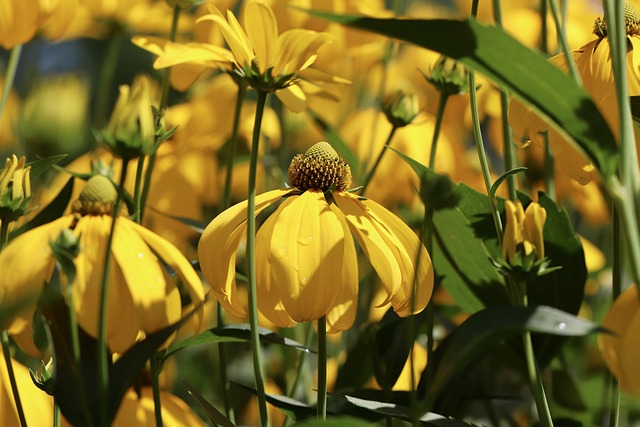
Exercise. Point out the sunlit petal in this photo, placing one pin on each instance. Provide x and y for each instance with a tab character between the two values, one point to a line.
262	30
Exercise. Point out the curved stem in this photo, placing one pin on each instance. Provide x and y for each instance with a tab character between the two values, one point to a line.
322	368
103	351
9	77
251	261
12	378
378	159
155	385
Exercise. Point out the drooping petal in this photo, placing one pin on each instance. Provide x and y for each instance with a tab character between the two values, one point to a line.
409	241
296	50
124	321
269	302
306	255
293	97
262	30
343	313
29	259
218	246
178	263
372	243
535	217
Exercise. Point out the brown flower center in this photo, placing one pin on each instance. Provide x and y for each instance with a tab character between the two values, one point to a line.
319	167
631	22
97	197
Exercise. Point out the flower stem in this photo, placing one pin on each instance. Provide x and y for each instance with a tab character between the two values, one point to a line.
9	76
549	169
4	238
562	38
616	289
103	351
251	260
12	378
322	368
137	196
106	77
507	135
226	195
225	386
442	103
56	414
378	159
156	367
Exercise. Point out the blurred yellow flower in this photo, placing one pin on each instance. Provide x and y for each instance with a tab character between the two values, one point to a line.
305	256
142	296
137	409
15	189
621	348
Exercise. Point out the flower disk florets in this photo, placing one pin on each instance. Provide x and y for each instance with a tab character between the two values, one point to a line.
631	22
98	197
321	168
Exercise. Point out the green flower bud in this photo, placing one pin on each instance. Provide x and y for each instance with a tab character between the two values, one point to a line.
448	77
401	108
15	189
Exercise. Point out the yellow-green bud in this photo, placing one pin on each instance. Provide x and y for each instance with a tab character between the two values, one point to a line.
448	77
401	108
98	197
15	189
131	129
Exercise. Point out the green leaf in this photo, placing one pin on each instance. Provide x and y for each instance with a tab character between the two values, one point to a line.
234	333
485	329
334	422
510	64
214	415
38	167
194	224
336	141
391	348
52	211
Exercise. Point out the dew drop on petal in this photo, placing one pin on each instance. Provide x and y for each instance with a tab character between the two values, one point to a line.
297	267
281	252
305	240
140	255
561	326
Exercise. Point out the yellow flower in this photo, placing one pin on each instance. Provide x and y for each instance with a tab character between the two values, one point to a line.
264	59
15	189
523	232
593	62
137	409
305	256
142	297
37	405
620	349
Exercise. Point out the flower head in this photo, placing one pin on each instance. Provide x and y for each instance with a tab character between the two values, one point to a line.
142	296
523	232
401	108
15	189
305	254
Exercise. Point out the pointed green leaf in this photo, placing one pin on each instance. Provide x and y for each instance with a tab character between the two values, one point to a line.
334	422
214	415
38	167
501	178
511	65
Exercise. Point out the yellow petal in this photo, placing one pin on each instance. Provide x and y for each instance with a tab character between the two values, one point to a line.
510	238
293	97
307	255
297	49
218	246
262	30
372	243
29	259
269	302
343	313
534	220
234	36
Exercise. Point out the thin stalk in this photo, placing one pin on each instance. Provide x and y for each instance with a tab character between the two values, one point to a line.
137	192
12	378
322	368
544	34
9	76
442	103
507	135
549	169
616	289
226	195
166	74
537	388
56	414
251	261
106	77
484	164
155	385
225	385
291	392
4	238
562	38
103	351
378	159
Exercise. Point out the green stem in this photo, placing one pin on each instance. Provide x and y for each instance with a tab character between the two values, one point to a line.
549	169
222	371
442	103
137	196
484	164
544	39
616	288
106	77
378	159
103	350
155	385
537	388
56	414
293	388
226	195
251	261
322	368
147	185
562	38
4	234
12	378
507	134
9	76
